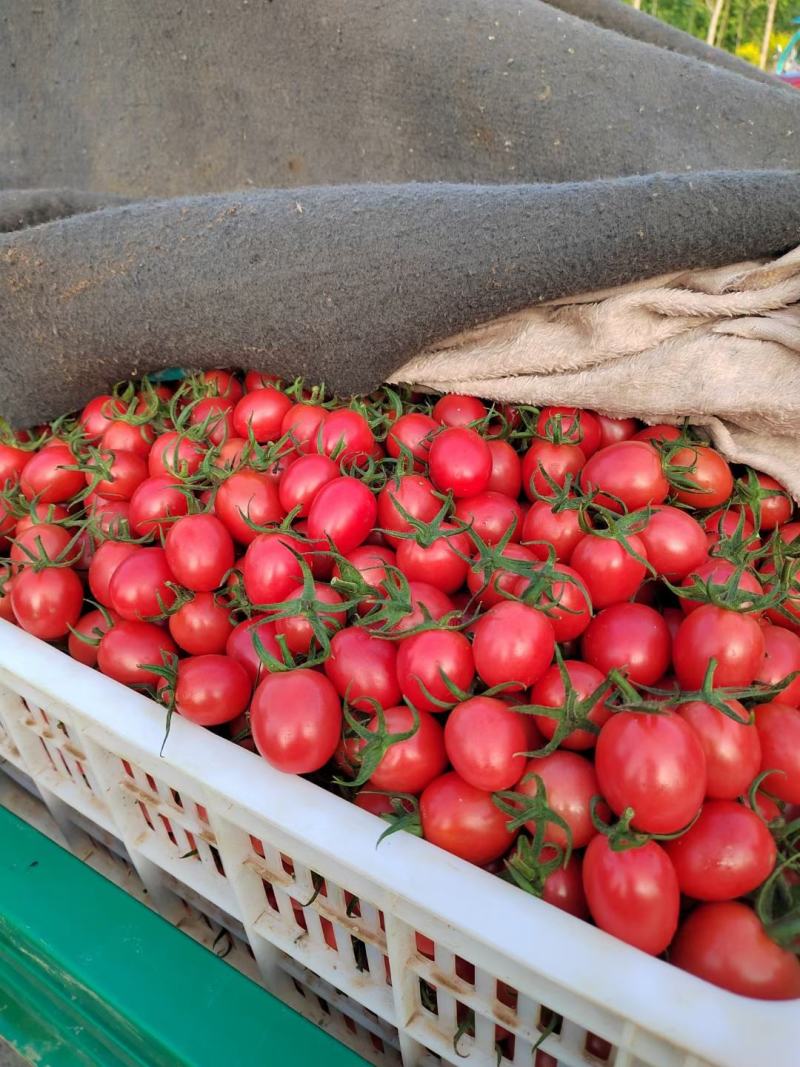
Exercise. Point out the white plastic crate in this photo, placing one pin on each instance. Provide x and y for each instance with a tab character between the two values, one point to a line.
211	825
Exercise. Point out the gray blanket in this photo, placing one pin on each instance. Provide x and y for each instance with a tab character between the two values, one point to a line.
326	187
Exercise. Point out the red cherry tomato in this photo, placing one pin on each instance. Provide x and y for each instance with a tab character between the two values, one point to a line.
412	494
675	542
506	476
629	637
722	575
47	602
654	764
778	728
92	626
201	626
48	477
199	552
241	647
439	562
565	600
346	436
211	689
261	412
513	646
139	586
296	719
304	422
433	666
609	569
546	464
105	561
464	820
343	512
408	766
572	425
781	658
486	743
301	482
612	431
550	692
155	502
543	529
456	410
129	647
570	783
122	436
297	631
174	455
363	669
42	541
732	749
709	472
489	585
272	568
735	641
627	474
460	462
412	432
245	501
491	515
726	944
634	894
98	415
727	853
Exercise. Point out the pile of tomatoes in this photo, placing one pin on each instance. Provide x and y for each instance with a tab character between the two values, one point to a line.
561	646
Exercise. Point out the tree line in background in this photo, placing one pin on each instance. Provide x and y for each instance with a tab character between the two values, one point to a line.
756	30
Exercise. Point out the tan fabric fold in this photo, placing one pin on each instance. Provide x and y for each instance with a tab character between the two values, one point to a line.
720	348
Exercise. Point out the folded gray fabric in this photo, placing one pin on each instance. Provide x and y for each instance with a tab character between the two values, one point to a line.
541	155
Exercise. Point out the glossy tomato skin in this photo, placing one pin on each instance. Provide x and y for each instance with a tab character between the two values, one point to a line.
546	462
98	414
630	636
105	561
778	728
304	422
271	567
301	482
720	574
506	476
489	590
47	602
245	499
239	644
296	719
173	454
724	523
486	743
409	766
211	689
138	588
456	410
654	764
415	495
12	462
126	471
565	602
613	431
438	563
460	462
711	475
658	432
627	473
297	631
413	432
513	646
543	529
675	542
423	658
128	437
574	425
726	944
781	658
199	551
45	540
563	888
464	820
733	639
732	749
201	626
490	515
570	783
215	416
128	646
727	853
775	510
634	894
154	503
422	594
549	692
47	476
344	511
92	625
347	434
261	412
610	572
363	669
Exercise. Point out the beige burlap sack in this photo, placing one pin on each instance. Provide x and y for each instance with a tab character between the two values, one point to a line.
719	347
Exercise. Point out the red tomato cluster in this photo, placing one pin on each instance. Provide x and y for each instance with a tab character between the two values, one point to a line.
560	646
